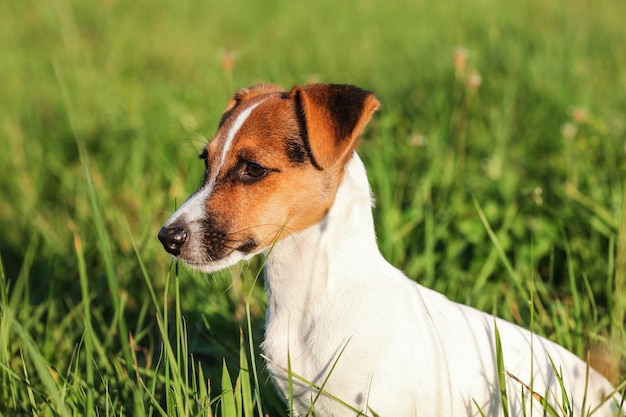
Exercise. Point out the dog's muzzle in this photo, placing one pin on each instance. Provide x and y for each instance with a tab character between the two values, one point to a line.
173	238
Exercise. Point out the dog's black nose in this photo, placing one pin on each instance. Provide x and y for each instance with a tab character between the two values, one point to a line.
173	238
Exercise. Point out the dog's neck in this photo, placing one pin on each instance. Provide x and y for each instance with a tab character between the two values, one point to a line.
306	268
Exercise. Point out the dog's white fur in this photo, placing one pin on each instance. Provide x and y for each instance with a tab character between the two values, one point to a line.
347	320
409	351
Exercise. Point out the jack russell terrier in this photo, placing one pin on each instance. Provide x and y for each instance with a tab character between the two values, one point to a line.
347	332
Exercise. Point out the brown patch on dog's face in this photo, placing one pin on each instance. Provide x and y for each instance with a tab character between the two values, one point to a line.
273	168
288	193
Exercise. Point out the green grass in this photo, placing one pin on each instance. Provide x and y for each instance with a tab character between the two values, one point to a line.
495	194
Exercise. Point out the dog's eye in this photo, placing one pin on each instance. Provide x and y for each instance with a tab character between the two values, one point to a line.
254	171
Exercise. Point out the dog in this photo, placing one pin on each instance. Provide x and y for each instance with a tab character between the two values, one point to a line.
347	333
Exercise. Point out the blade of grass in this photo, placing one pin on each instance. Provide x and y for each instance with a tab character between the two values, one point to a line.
172	380
327	378
290	382
44	371
227	396
88	330
619	390
5	320
564	404
181	346
257	390
204	392
31	397
541	399
618	298
101	231
576	301
244	379
316	388
501	372
502	255
479	408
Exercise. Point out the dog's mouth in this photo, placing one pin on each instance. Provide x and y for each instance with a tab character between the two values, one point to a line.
204	246
210	265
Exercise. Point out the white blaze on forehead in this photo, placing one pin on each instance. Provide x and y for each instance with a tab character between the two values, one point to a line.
239	121
193	208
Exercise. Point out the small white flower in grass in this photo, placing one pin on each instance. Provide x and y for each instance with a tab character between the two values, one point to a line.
474	81
568	131
417	139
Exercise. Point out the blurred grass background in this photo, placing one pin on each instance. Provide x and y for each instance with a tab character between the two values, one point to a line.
496	116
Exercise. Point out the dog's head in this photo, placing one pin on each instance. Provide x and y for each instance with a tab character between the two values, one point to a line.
272	168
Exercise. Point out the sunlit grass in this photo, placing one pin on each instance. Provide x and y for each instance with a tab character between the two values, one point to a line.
497	161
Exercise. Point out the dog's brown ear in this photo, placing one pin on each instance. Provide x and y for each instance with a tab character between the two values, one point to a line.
247	93
333	117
